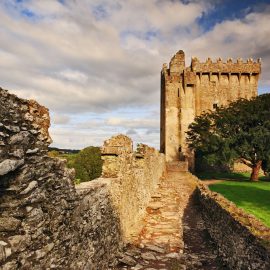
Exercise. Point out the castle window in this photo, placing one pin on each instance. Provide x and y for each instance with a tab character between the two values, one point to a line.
215	106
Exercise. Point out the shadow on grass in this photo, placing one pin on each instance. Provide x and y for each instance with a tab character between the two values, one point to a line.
228	176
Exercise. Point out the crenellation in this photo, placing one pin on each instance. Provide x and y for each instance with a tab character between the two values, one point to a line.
239	60
228	67
203	86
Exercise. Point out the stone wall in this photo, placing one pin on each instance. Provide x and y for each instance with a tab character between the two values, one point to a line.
47	223
242	240
44	222
133	177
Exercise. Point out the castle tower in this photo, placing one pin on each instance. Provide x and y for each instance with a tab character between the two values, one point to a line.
187	92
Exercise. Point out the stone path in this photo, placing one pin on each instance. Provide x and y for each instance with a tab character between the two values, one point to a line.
173	235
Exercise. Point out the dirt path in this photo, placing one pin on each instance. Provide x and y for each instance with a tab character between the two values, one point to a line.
173	235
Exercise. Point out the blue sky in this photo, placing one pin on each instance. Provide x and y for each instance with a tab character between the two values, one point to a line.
96	63
230	10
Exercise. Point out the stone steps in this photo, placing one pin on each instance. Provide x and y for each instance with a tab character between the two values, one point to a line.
177	166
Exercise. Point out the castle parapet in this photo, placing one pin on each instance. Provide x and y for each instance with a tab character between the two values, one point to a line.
117	145
250	66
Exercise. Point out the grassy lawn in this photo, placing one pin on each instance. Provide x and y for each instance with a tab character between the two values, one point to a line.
254	198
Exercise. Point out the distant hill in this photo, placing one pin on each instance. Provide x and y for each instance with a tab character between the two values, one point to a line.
64	151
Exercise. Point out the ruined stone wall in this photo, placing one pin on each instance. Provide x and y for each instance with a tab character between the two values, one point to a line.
187	92
133	178
44	222
242	240
47	223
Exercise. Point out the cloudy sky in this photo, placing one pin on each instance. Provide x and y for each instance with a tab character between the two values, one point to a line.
96	63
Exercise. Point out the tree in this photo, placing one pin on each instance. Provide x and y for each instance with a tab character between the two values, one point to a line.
239	131
88	164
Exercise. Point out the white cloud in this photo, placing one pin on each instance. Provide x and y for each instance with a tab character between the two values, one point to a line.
58	119
101	56
133	123
73	75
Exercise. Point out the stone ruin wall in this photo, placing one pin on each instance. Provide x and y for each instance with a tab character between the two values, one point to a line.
133	177
186	92
243	241
47	223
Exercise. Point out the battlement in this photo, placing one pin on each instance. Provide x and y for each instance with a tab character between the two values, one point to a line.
177	63
218	66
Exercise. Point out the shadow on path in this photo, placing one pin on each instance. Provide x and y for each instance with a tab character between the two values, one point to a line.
199	249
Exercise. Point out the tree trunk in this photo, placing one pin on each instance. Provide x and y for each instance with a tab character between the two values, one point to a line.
255	171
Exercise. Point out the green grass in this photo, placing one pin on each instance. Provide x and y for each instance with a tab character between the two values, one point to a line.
253	198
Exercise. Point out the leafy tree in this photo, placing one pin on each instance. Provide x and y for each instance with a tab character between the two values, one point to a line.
70	159
239	131
88	164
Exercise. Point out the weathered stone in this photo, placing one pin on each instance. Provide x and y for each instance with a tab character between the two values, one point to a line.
148	256
9	224
3	249
173	255
10	165
19	153
12	128
155	205
10	265
22	138
134	181
32	151
155	248
84	228
30	187
137	267
128	260
19	242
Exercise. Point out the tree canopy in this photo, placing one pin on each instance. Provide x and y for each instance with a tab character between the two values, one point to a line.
240	131
88	164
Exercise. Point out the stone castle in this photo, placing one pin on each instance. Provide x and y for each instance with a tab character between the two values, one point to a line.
143	212
186	92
